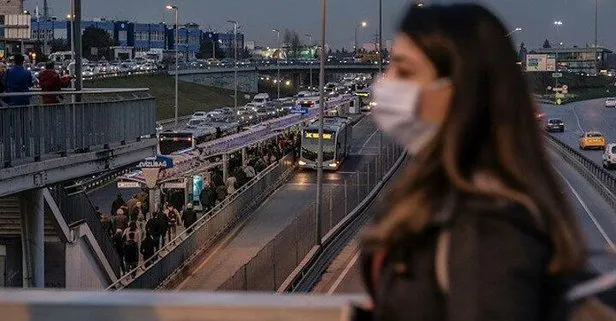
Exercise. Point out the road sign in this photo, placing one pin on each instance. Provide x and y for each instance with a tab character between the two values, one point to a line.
128	185
150	167
557	75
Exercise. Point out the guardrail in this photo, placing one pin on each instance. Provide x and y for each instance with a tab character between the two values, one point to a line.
22	305
275	266
188	245
31	131
602	180
77	207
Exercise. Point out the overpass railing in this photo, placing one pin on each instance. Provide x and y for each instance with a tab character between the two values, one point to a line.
20	305
77	207
103	117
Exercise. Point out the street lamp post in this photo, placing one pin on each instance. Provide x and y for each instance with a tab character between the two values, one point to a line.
235	59
380	56
319	201
513	31
558	23
363	24
278	60
596	35
177	58
310	64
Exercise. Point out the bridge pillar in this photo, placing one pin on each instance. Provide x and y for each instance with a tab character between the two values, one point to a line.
32	206
225	167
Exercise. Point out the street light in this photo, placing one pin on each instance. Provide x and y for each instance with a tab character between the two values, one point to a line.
310	64
235	59
363	24
177	58
319	201
513	31
596	35
557	24
278	58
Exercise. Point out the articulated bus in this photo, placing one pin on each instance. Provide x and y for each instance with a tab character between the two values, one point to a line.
177	141
337	138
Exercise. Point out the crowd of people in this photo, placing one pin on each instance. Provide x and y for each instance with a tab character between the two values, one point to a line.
17	79
138	233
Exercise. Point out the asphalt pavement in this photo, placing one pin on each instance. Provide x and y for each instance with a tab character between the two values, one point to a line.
290	200
583	116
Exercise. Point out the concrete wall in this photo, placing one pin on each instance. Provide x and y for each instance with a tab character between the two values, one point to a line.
82	269
246	81
55	276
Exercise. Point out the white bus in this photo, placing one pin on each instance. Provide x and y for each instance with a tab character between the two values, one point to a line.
337	139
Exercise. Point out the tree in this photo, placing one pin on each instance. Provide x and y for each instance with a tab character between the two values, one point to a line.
206	47
59	45
96	43
292	41
522	52
546	44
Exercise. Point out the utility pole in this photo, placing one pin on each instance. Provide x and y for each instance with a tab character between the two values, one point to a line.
319	205
380	56
596	35
235	60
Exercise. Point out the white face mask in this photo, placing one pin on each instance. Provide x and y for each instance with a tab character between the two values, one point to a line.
396	112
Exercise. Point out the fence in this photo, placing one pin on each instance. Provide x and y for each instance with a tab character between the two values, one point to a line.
78	207
32	131
189	244
602	180
275	262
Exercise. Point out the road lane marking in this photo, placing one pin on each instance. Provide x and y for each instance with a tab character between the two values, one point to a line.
578	120
367	140
343	274
588	212
361	120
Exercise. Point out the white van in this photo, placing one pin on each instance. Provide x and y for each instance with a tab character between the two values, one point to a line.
261	99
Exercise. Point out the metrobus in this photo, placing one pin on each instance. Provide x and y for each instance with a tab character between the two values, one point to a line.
170	142
337	138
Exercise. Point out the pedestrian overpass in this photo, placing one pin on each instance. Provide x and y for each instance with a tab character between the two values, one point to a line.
42	147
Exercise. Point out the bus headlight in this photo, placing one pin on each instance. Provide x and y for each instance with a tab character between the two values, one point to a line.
302	163
333	165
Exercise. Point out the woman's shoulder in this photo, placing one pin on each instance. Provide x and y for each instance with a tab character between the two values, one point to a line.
509	217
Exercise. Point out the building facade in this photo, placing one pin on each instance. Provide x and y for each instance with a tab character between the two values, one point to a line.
577	60
11	7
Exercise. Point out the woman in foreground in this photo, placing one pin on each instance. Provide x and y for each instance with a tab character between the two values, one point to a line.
478	224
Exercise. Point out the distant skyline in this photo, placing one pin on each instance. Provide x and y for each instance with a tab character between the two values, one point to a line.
259	17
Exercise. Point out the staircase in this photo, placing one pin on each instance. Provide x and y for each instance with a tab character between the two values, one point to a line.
10	218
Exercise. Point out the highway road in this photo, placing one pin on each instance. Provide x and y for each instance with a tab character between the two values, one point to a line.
596	218
295	196
579	117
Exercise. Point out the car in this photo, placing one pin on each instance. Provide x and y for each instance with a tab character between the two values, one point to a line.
199	115
592	140
610	102
555	125
609	156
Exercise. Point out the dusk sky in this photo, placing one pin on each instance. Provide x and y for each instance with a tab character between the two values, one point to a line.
258	17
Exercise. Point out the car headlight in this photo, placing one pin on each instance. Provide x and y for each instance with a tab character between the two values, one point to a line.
302	163
333	165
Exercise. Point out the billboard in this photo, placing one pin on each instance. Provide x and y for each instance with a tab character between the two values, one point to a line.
541	62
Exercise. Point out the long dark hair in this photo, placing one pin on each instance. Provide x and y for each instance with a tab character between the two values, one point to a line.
490	127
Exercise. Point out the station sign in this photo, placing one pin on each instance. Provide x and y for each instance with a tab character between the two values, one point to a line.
151	168
156	162
129	185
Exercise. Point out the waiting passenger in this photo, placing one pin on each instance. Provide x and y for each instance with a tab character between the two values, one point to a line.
479	196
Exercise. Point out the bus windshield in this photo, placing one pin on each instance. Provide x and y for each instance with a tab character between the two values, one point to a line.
310	145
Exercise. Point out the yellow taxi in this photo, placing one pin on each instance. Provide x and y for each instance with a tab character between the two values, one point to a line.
592	140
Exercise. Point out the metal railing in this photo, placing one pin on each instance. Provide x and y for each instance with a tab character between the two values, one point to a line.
602	180
77	207
29	132
269	269
21	305
171	259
